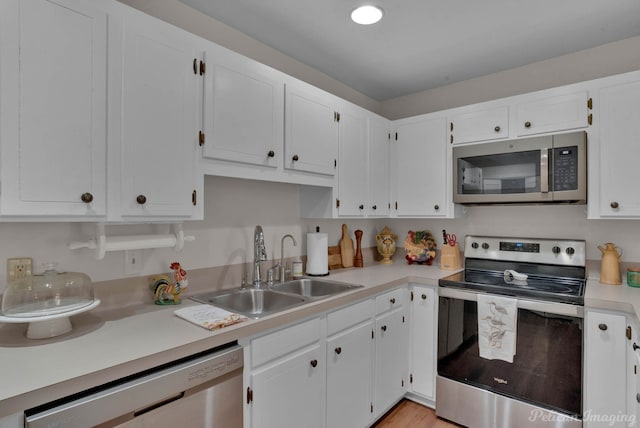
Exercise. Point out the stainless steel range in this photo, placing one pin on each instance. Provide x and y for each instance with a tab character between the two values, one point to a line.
510	334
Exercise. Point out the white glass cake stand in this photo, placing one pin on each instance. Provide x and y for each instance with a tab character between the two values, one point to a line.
51	325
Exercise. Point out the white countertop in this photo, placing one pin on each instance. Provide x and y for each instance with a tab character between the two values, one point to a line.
109	343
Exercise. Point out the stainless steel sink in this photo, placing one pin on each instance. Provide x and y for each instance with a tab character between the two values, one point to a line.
313	288
253	303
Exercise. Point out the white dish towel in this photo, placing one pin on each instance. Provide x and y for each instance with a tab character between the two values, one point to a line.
497	327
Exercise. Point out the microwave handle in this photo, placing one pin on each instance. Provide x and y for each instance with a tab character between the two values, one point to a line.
544	170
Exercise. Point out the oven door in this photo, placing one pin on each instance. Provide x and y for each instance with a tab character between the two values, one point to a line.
547	368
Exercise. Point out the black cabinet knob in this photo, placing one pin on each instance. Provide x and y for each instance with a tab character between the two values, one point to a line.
375	207
436	207
338	350
424	297
497	129
361	206
614	205
86	197
383	328
602	327
527	124
271	153
141	199
393	301
295	158
314	363
635	346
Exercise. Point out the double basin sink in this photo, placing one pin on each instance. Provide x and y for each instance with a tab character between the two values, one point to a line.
260	302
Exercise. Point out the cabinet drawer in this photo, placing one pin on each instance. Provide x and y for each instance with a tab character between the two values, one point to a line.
285	341
349	316
389	301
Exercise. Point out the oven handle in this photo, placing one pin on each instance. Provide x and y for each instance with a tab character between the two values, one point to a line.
532	305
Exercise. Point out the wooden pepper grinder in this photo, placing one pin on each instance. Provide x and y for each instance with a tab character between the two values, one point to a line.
357	262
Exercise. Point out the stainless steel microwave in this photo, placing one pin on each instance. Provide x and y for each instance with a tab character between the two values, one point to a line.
550	168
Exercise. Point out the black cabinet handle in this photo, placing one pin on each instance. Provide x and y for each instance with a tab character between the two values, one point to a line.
375	207
424	297
271	153
314	363
497	129
635	346
295	158
393	301
436	207
383	328
527	124
602	327
338	350
614	205
141	199
361	206
86	197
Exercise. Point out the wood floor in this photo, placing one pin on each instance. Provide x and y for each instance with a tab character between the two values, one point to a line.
408	414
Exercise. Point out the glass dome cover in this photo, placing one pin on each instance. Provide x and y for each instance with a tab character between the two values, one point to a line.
48	293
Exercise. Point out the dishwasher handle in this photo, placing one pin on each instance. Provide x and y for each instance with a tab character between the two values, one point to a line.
138	395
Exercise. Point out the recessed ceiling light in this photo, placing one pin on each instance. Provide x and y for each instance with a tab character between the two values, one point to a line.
366	15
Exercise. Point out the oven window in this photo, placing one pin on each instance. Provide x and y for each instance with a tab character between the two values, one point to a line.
506	173
547	367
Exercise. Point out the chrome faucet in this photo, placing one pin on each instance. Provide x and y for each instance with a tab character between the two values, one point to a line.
279	267
282	268
259	255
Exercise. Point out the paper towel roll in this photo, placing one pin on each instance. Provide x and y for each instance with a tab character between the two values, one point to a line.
317	254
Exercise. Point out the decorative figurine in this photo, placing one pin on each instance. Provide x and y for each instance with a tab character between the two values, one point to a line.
420	247
165	292
386	243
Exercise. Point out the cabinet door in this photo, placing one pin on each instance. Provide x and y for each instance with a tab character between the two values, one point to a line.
420	168
290	392
53	80
160	119
605	370
349	378
379	168
311	135
244	110
558	113
619	111
391	361
423	341
480	125
352	163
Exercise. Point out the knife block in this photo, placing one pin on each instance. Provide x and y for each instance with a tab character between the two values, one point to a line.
450	257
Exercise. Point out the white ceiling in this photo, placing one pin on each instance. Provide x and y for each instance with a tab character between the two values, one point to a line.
422	44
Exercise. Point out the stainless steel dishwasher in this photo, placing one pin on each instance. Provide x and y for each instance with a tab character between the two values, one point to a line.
203	391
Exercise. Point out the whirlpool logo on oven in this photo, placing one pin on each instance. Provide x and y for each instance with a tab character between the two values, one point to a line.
501	381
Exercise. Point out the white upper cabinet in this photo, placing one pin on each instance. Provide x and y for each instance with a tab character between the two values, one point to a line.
552	114
53	82
619	150
479	125
379	167
421	168
160	98
311	130
244	110
352	162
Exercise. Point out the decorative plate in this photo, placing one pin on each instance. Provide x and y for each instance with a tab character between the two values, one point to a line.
420	247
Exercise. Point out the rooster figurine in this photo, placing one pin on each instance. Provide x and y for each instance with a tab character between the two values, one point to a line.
165	292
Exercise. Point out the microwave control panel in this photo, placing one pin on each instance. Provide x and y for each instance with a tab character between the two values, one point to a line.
565	168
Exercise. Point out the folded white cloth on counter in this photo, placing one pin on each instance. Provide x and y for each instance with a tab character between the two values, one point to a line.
209	317
497	327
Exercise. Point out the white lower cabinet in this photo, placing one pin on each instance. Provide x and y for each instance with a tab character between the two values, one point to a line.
606	370
350	367
392	345
284	378
344	368
424	330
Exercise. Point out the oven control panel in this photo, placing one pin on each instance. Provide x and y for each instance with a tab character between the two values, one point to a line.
532	250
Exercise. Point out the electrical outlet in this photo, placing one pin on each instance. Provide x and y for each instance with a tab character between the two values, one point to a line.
19	267
132	262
